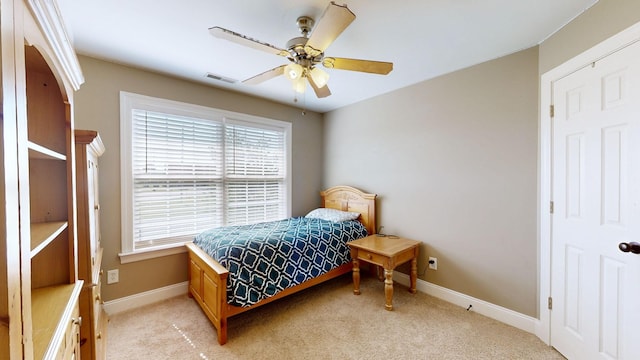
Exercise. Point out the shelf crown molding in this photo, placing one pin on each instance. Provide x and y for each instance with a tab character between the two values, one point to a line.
50	20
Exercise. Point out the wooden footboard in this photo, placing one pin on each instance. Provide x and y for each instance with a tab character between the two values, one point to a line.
208	285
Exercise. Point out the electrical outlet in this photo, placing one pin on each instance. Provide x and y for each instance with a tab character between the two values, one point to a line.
433	263
113	276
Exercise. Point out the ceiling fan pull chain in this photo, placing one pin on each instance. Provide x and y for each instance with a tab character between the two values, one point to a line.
304	103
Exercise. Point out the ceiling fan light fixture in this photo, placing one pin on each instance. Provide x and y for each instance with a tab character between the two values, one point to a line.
299	85
319	76
293	71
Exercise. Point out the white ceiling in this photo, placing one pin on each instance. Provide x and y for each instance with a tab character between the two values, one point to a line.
423	38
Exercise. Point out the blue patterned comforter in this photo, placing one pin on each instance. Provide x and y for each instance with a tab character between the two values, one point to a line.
266	258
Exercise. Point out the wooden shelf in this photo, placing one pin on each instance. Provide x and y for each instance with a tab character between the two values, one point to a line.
43	233
40	152
49	307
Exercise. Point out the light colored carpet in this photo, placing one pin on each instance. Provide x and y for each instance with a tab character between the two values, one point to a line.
324	322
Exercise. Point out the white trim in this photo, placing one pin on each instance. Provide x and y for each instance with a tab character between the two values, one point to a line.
145	298
146	254
504	315
599	51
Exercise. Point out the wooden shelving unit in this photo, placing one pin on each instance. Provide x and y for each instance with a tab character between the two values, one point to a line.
54	286
39	305
93	332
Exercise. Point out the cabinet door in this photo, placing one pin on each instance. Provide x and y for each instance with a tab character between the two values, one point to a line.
96	207
101	336
92	207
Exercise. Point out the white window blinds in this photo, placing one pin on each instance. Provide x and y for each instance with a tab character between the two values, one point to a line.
255	177
191	173
177	169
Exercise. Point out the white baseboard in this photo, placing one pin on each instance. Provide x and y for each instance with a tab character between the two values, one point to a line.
509	317
145	298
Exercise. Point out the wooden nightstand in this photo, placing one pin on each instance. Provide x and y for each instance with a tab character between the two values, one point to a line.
388	252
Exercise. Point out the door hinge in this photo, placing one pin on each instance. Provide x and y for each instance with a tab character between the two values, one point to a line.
552	110
550	303
551	207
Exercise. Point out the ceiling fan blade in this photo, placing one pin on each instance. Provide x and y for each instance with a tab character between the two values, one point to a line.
369	66
267	75
237	38
321	92
332	23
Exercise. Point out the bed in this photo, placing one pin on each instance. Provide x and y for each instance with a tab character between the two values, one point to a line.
209	281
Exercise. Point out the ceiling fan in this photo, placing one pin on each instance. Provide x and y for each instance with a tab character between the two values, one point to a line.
306	52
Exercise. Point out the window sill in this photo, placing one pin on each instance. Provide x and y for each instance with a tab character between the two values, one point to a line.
147	254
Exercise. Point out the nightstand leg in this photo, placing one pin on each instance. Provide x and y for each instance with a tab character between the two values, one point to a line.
414	275
356	276
388	289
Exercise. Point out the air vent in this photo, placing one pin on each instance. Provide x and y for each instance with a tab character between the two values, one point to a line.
221	78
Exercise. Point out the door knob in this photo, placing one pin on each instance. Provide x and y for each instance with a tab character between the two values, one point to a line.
633	247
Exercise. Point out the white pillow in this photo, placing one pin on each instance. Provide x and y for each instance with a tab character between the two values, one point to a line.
332	214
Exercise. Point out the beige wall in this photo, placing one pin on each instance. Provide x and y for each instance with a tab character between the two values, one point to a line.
453	160
97	108
603	20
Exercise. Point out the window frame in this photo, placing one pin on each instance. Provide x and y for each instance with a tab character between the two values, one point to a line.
130	101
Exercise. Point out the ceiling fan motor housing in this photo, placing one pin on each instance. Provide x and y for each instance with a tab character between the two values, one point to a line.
296	46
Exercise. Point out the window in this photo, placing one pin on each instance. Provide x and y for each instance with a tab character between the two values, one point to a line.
187	168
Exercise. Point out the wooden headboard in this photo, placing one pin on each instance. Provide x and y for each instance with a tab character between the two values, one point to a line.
347	198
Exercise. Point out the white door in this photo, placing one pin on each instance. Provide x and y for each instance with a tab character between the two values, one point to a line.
595	287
